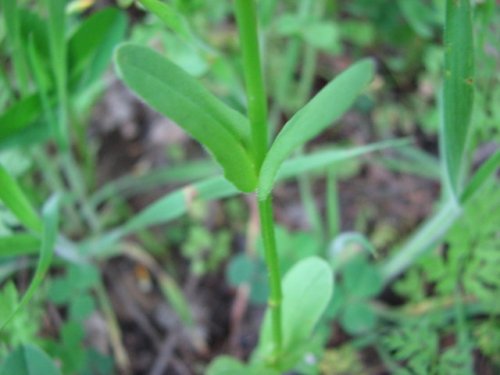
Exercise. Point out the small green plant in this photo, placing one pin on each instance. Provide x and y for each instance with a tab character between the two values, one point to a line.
241	147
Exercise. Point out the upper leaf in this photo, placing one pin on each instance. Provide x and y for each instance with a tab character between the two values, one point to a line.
172	92
458	91
326	107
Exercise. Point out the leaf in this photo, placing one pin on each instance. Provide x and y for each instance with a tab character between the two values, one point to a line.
28	360
428	234
337	249
361	279
169	16
172	92
458	91
19	115
13	197
358	318
49	236
419	16
177	203
91	46
18	244
134	183
307	289
56	26
479	178
323	35
32	134
224	365
327	158
326	107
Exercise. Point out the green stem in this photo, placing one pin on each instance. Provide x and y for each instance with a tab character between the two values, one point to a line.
422	241
272	261
246	17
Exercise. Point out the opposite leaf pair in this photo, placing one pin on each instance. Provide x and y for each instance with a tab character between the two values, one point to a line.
224	131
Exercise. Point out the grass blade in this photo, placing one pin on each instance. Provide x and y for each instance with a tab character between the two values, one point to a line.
58	59
174	93
479	178
49	236
325	108
324	159
18	244
458	92
132	184
91	46
14	198
177	203
10	12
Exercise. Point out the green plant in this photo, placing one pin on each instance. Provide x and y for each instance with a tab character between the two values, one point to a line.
240	146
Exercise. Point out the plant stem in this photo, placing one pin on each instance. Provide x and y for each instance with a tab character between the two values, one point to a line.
272	261
429	233
246	16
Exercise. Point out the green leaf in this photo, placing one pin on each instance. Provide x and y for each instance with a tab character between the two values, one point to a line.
57	36
458	92
32	134
358	318
13	197
133	183
91	46
224	365
10	12
307	289
323	35
28	360
169	16
172	92
325	108
81	306
49	236
361	279
56	26
327	158
420	16
18	244
177	203
479	178
19	115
